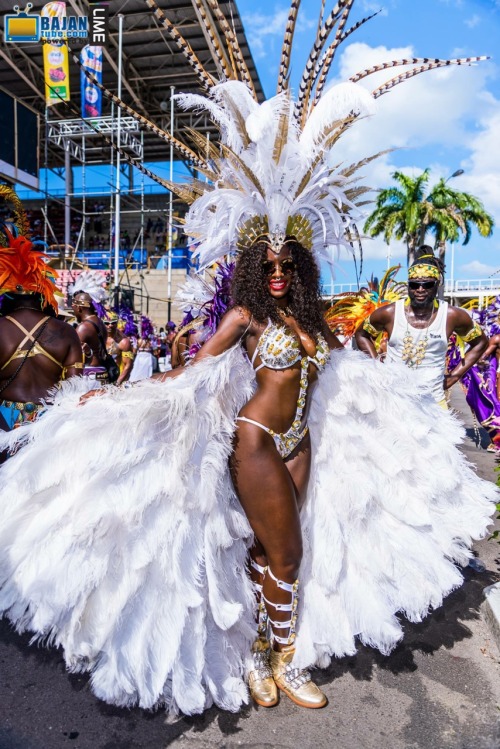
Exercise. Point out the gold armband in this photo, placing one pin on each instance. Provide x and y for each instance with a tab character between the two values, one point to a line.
368	327
472	334
127	354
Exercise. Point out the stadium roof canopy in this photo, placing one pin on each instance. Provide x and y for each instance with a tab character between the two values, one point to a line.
151	64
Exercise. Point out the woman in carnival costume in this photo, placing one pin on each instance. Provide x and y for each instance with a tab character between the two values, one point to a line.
481	384
144	344
88	296
36	350
132	553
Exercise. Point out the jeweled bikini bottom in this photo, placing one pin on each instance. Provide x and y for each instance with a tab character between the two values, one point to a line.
285	442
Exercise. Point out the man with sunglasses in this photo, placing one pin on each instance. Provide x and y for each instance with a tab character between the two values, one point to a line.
419	327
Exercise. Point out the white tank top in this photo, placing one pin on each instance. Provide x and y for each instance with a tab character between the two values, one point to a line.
430	372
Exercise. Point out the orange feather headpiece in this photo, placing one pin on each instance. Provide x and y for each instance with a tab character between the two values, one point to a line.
348	313
23	270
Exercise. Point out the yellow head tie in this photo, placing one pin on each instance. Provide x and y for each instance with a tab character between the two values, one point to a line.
423	270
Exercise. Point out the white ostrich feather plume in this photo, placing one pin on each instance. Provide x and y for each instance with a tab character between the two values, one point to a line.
194	293
269	168
90	282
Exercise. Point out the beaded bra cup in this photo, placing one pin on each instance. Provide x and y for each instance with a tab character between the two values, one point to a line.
278	348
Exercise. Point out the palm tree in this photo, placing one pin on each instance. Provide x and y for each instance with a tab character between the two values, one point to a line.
400	210
407	212
456	213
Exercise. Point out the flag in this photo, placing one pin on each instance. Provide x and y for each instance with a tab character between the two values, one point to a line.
55	59
91	59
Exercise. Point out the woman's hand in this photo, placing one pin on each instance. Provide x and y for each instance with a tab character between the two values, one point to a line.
91	394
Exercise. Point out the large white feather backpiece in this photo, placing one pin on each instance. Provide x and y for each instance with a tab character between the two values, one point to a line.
270	173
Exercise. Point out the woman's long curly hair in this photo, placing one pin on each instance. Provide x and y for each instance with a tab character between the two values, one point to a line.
249	288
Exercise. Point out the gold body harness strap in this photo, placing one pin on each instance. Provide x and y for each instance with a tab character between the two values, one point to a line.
19	353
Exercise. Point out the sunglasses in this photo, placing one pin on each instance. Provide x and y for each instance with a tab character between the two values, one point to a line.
287	267
424	284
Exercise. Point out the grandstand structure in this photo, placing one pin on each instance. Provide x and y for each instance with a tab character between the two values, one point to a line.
78	222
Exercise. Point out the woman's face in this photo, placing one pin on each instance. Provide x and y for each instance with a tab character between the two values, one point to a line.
279	270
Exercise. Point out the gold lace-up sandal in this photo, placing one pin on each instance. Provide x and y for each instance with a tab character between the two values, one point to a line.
296	683
260	680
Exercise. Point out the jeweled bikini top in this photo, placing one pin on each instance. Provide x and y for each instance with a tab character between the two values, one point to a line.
279	348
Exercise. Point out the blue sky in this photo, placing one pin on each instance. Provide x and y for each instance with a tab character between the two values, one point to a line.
444	120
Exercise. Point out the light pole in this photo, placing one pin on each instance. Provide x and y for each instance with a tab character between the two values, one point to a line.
457	173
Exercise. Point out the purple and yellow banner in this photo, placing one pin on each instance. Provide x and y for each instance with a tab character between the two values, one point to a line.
55	59
91	59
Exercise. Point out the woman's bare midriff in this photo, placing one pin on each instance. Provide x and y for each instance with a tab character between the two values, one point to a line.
275	402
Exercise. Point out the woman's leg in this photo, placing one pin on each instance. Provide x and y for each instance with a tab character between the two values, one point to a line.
267	494
270	491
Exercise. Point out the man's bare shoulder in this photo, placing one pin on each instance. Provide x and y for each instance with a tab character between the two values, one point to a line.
383	314
458	315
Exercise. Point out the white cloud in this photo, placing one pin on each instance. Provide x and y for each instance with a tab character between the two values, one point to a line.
476	269
449	111
473	21
263	30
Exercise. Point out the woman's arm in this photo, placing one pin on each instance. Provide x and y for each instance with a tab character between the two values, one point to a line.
232	328
331	339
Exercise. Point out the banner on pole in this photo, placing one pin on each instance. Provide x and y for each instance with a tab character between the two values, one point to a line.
91	95
55	59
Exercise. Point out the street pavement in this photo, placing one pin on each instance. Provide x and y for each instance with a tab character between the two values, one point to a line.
440	689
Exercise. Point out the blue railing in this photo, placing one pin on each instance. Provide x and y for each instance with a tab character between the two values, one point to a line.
135	259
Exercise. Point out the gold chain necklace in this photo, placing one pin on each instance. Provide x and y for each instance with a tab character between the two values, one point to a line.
414	354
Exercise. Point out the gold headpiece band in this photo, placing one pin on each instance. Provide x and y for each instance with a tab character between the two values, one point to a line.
423	270
257	228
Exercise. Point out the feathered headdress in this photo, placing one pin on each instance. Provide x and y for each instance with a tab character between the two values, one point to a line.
91	282
271	176
23	268
16	224
347	313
